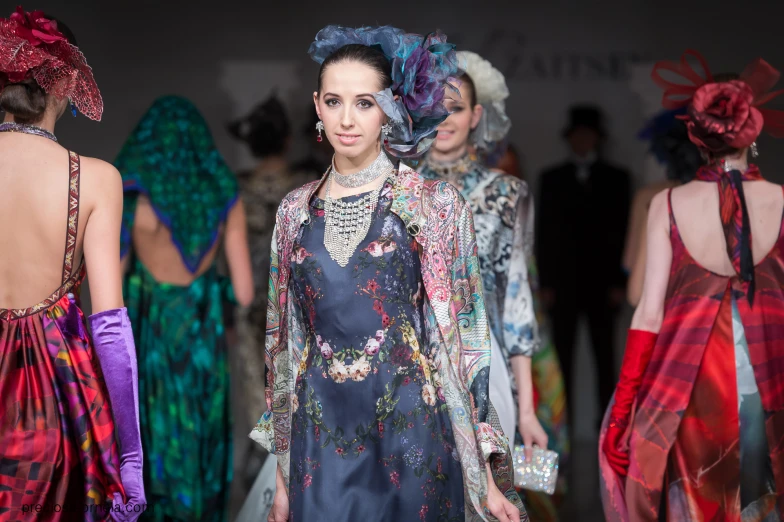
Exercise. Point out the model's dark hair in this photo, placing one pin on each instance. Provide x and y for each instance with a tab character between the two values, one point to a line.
466	80
683	157
26	100
266	129
363	54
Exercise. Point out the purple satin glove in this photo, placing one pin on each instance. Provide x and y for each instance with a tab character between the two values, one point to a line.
113	340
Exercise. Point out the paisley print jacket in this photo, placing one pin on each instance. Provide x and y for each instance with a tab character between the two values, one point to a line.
504	222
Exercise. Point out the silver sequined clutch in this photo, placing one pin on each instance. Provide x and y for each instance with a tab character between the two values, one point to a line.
538	474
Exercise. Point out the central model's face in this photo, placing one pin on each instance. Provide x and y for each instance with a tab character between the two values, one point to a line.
352	118
453	133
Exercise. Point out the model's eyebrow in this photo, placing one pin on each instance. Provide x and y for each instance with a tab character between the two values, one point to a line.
364	94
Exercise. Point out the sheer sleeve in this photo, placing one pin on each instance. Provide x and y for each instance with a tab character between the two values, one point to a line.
264	431
474	336
521	335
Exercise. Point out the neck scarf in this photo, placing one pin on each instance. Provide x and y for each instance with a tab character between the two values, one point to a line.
171	159
735	218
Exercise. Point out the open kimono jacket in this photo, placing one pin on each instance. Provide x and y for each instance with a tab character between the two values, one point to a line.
440	220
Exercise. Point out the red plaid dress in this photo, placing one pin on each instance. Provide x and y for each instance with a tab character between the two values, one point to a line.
685	435
58	456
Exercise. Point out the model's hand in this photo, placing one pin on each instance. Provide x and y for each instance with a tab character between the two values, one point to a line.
532	433
280	507
279	512
617	458
131	476
498	504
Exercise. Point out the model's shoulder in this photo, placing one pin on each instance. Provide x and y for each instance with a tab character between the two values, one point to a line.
296	199
98	177
95	167
414	182
504	183
294	196
659	209
443	193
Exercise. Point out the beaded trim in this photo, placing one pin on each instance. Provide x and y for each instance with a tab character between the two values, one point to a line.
24	128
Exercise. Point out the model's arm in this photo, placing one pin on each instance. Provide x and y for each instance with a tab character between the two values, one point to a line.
238	255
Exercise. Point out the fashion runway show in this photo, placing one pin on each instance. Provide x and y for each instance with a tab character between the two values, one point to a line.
412	262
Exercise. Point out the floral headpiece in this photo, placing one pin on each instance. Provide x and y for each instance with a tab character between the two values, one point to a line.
31	46
491	91
725	114
421	68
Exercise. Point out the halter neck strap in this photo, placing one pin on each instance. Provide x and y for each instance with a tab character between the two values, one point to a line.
735	218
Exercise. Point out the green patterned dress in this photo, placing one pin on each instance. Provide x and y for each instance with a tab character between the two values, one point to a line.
184	387
184	394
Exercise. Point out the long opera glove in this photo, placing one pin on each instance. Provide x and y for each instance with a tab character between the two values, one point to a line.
113	339
639	348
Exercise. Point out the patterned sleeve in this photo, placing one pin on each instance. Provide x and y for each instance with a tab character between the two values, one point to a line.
264	431
521	335
474	335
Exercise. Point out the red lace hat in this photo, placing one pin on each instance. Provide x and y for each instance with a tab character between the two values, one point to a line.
726	113
32	47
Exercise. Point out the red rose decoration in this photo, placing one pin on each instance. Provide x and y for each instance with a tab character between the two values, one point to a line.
31	47
36	29
721	116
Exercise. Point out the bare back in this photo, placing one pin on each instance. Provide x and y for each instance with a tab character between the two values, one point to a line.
34	176
34	202
152	244
696	210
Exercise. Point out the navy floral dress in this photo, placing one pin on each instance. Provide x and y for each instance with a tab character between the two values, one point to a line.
372	439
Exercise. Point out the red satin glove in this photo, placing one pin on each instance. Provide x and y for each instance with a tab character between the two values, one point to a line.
639	348
617	458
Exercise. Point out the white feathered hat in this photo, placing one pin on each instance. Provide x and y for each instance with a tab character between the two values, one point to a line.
491	93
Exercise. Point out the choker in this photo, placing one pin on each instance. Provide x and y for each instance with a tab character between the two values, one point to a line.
380	166
453	169
24	128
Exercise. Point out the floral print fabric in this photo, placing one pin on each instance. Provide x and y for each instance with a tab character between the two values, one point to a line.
368	406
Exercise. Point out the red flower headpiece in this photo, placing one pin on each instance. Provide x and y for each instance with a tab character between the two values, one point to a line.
32	47
722	115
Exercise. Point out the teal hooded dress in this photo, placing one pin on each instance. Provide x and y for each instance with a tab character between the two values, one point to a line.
179	331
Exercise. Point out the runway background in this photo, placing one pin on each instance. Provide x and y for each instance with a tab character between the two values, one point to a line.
227	56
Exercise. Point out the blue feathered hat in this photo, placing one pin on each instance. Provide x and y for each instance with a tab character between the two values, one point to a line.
422	67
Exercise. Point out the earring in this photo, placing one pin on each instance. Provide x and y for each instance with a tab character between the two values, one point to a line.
754	151
73	108
319	128
386	129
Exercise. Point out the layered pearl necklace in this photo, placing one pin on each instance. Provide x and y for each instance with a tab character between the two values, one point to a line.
27	129
347	224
